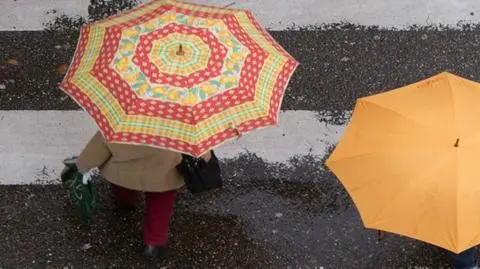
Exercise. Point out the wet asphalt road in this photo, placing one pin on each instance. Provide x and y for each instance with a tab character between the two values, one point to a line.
266	216
336	66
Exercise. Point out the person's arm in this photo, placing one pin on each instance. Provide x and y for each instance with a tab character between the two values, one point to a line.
95	154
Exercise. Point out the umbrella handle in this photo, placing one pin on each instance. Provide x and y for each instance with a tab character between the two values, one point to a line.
237	132
381	235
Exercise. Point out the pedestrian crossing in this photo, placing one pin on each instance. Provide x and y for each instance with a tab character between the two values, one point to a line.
280	208
39	140
32	15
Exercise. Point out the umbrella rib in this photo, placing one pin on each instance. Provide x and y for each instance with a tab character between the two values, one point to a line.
397	113
453	103
457	187
402	190
351	157
363	154
456	163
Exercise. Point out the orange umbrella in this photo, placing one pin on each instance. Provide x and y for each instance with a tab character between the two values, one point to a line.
410	160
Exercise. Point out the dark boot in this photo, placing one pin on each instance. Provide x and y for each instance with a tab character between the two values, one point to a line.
155	252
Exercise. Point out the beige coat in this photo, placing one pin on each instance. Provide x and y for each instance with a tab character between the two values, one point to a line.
135	167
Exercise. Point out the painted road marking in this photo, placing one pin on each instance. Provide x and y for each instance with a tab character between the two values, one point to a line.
34	143
274	14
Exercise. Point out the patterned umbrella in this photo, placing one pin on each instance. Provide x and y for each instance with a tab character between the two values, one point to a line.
179	76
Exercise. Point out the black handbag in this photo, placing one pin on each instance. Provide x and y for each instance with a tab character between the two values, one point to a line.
200	175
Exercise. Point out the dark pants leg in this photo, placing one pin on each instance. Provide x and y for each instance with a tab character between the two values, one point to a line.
158	211
465	260
124	196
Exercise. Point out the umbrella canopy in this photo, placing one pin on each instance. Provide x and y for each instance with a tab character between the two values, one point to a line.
179	76
410	160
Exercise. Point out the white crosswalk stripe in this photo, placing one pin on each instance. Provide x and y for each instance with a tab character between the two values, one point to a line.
39	140
36	141
274	14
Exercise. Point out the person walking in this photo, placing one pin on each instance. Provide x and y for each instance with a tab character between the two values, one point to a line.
132	169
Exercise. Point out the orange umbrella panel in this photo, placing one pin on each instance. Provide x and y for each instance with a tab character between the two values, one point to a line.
409	159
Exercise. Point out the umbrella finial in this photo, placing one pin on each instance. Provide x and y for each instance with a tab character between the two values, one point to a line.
180	51
456	143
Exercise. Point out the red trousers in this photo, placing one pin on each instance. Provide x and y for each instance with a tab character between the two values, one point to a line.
158	211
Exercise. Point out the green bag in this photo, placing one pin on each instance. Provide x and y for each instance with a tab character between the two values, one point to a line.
82	195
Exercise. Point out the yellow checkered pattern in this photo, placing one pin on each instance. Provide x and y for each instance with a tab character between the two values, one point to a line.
182	69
